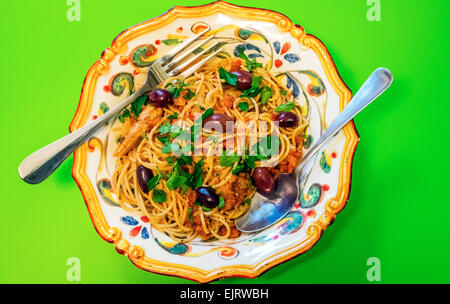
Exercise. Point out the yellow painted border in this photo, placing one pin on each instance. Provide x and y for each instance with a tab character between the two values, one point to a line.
136	253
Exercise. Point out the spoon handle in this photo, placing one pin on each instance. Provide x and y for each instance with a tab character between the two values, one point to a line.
376	84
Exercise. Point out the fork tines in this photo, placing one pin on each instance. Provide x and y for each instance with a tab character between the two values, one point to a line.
174	63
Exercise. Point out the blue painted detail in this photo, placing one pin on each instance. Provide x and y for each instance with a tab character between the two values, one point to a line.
144	233
129	220
292	58
292	85
277	47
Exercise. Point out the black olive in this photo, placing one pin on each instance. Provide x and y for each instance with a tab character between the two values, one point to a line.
244	79
207	197
263	180
216	120
143	176
287	119
160	98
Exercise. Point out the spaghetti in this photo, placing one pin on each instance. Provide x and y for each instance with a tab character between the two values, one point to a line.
162	162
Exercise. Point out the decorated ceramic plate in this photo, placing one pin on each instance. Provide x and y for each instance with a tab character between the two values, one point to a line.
299	60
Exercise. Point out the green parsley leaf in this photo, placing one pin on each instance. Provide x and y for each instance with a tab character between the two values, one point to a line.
136	106
208	112
221	203
227	76
173	116
165	128
285	107
176	181
153	182
238	169
170	160
251	64
229	160
254	90
190	216
184	160
283	92
176	88
124	115
243	106
266	93
206	209
189	95
164	140
196	179
175	131
159	196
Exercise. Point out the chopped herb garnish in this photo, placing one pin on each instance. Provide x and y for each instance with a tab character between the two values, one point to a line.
189	95
159	196
170	160
229	160
173	116
247	201
266	93
144	136
153	182
227	76
124	115
206	209
243	106
283	92
285	107
191	218
136	106
251	64
176	181
170	147
254	90
176	88
221	203
164	140
165	128
196	179
206	114
238	169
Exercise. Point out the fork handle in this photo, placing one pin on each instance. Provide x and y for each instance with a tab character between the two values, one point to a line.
373	87
39	165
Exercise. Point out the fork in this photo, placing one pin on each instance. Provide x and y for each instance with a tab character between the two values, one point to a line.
39	165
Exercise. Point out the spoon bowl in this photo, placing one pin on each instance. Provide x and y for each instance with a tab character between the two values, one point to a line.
266	210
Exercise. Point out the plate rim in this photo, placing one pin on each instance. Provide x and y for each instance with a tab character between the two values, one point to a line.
137	254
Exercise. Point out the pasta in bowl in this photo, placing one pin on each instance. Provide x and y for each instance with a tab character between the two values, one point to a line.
165	180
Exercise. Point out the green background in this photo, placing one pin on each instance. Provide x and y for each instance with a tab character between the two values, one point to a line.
398	209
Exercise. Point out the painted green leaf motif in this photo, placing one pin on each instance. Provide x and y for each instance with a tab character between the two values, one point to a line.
307	143
120	81
178	248
104	187
172	41
104	107
324	165
141	53
312	198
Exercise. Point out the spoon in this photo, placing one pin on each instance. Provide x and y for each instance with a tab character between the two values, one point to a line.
266	210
